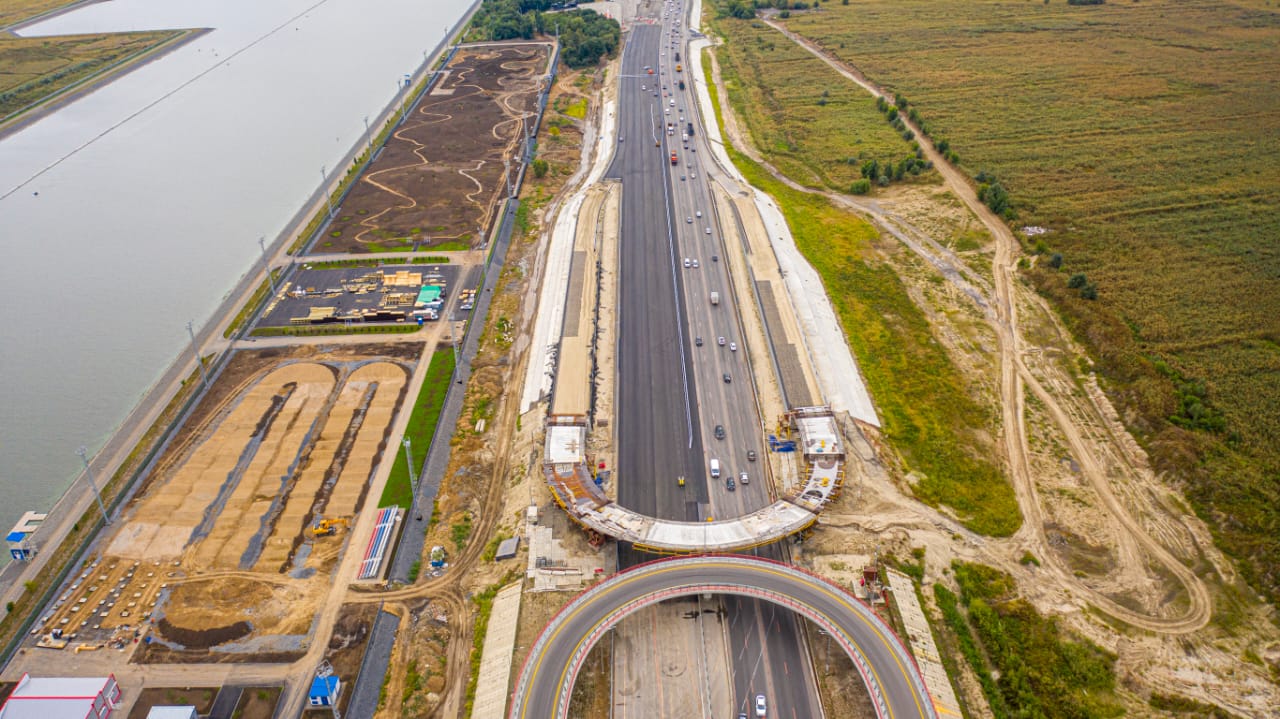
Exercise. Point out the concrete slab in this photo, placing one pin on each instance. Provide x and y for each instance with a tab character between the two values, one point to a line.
920	639
495	660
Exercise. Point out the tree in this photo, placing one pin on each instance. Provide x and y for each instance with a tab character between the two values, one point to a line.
1089	292
1077	281
995	197
1055	260
860	187
540	168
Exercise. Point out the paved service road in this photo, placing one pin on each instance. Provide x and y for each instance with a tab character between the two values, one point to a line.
546	680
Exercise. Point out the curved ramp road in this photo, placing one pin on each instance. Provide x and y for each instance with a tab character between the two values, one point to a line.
546	681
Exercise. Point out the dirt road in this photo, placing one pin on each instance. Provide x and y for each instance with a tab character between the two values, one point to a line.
1014	377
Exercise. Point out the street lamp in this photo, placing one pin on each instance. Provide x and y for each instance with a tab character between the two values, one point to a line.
324	187
204	375
271	281
88	473
413	480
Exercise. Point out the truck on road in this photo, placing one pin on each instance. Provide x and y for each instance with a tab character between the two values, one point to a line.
715	298
674	160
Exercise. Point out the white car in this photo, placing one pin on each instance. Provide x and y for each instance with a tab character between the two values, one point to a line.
642	87
698	213
720	341
689	220
761	708
733	346
708	230
686	264
695	264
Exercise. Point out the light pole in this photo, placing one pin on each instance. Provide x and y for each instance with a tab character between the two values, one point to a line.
88	473
413	482
204	376
324	187
271	281
367	135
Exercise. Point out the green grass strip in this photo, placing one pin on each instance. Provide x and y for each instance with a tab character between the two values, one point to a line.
422	426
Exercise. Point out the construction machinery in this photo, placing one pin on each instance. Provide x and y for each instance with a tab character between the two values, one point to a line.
326	527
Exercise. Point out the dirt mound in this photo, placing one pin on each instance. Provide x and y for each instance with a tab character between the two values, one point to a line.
203	638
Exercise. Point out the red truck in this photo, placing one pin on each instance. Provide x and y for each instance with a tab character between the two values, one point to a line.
674	161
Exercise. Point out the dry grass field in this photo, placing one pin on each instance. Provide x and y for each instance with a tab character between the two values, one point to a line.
817	128
1142	135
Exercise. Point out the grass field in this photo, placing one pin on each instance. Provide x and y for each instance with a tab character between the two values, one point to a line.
926	413
31	69
422	425
816	127
1143	136
1024	662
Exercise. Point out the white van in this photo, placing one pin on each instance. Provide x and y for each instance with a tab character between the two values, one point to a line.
715	469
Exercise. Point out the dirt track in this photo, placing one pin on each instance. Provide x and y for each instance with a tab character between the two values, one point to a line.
440	176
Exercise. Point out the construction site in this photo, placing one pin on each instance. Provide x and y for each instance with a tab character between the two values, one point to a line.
229	546
387	294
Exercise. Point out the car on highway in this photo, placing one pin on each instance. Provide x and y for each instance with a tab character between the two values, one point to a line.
682	178
719	431
708	230
642	87
697	341
733	346
695	264
698	213
686	262
728	378
720	341
761	707
751	455
715	258
693	175
744	478
729	485
689	220
742	715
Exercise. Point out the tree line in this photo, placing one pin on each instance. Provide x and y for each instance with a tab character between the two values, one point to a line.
585	36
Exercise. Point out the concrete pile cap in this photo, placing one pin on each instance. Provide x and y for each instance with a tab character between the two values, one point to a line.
565	444
819	434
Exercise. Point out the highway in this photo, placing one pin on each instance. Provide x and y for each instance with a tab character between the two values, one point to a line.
667	216
546	679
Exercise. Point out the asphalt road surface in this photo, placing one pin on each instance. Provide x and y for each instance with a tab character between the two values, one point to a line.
657	412
545	681
669	350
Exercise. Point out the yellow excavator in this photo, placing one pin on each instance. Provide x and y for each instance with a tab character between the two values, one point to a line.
329	527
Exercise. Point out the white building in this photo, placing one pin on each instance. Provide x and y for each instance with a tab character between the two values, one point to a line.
62	698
